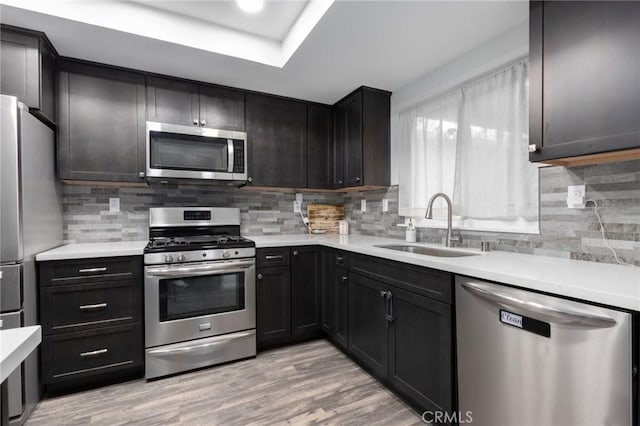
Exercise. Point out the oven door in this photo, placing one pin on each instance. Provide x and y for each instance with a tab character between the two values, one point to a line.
184	152
193	300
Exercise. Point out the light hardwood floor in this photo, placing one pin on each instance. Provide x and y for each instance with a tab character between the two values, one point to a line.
309	383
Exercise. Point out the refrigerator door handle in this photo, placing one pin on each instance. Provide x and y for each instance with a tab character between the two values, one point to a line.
547	313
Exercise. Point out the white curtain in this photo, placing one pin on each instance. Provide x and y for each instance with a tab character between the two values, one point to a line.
472	145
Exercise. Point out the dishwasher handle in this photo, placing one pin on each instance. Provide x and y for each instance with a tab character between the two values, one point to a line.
544	312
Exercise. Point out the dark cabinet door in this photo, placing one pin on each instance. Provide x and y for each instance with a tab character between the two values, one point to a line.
339	122
221	108
27	70
367	323
320	147
273	305
101	124
277	139
352	134
172	101
421	350
327	293
341	307
305	288
585	78
20	68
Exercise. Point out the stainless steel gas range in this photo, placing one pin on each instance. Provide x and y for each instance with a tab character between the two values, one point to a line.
199	292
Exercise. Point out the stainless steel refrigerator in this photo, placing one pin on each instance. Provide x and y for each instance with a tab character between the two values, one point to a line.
30	222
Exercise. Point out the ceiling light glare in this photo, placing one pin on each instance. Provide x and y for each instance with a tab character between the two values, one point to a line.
251	6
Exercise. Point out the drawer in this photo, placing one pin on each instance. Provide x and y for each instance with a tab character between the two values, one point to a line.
276	256
74	355
340	259
78	271
68	308
428	282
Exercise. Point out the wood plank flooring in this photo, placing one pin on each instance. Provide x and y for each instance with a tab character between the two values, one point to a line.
309	383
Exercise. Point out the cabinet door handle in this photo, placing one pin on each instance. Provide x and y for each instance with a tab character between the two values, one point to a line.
339	259
389	315
340	182
195	121
533	148
273	257
141	174
94	353
358	179
89	270
383	294
90	307
259	276
203	122
295	252
344	279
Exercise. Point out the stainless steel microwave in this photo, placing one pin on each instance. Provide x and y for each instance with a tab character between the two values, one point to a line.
185	152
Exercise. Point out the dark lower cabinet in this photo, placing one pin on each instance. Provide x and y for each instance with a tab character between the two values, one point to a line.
305	288
101	124
368	326
288	294
91	316
273	291
420	350
396	320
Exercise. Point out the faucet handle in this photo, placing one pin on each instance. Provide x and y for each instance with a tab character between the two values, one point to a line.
458	238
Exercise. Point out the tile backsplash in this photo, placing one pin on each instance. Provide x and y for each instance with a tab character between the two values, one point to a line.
568	233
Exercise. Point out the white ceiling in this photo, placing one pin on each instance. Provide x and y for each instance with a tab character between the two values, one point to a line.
273	22
383	44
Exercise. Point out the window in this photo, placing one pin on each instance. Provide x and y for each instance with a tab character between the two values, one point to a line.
471	144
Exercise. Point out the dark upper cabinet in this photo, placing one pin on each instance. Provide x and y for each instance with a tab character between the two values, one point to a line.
27	70
305	289
190	104
277	140
221	108
362	139
421	350
273	291
584	81
172	101
101	124
368	326
319	147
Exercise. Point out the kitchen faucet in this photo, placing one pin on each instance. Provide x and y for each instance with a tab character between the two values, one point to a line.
429	215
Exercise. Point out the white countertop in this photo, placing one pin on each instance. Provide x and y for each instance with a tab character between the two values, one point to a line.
15	345
613	285
90	250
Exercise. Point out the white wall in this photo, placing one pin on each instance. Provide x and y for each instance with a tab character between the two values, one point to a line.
503	49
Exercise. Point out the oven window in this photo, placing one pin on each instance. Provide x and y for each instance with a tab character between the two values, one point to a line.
188	152
190	297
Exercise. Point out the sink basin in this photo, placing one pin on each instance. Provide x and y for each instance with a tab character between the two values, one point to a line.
428	251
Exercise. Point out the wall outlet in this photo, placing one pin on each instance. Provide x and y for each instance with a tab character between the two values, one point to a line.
296	206
299	198
363	206
385	205
114	205
576	196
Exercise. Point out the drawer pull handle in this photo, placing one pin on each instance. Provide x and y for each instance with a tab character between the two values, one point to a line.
339	259
96	306
94	353
89	270
273	257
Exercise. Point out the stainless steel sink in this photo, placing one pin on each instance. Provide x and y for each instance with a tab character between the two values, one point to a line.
428	251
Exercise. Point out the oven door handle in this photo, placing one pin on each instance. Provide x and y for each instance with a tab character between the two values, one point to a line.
199	270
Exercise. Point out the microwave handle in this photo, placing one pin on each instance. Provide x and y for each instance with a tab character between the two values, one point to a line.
230	155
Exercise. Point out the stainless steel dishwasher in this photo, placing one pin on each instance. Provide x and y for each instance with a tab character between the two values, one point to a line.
529	359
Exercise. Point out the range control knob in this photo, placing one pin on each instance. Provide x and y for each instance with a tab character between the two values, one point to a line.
168	258
226	254
182	258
